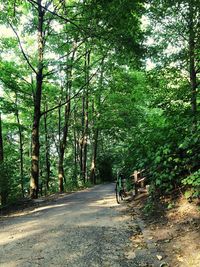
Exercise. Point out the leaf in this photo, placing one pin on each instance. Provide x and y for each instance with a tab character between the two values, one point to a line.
158	159
159	257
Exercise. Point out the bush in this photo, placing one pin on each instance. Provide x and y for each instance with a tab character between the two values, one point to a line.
5	186
193	183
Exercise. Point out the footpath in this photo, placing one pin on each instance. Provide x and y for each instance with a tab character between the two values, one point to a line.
89	229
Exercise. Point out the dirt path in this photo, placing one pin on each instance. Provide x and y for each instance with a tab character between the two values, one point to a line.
170	234
83	229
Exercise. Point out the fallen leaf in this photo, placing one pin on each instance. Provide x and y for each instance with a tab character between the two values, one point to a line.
159	257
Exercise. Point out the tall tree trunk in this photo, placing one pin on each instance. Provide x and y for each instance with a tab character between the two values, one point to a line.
85	118
95	128
192	69
63	142
81	143
47	154
85	139
34	182
20	149
75	153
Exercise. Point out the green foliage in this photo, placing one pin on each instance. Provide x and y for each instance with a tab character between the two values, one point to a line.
140	119
193	182
149	207
6	183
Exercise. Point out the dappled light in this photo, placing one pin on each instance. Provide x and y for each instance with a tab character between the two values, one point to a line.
99	133
72	228
66	231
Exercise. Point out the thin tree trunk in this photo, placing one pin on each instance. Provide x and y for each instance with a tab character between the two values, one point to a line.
96	130
47	154
20	149
82	138
34	182
75	156
85	117
63	142
193	76
85	140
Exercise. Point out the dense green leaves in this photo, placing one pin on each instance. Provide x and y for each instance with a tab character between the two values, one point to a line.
101	109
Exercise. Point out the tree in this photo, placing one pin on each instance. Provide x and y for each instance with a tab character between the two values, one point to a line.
177	34
20	146
51	74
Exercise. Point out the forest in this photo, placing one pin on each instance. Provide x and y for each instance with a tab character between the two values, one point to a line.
92	87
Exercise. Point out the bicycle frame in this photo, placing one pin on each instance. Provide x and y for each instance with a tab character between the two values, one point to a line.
119	190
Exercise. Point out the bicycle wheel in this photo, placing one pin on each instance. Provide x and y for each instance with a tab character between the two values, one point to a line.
122	194
117	193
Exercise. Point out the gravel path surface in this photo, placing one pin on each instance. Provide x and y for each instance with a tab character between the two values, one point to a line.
86	228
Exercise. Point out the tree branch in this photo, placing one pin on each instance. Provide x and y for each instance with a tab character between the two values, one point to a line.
61	65
57	15
19	90
22	50
74	96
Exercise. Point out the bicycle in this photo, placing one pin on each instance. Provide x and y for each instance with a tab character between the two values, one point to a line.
119	190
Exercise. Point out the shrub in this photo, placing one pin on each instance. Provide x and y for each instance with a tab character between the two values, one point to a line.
193	183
